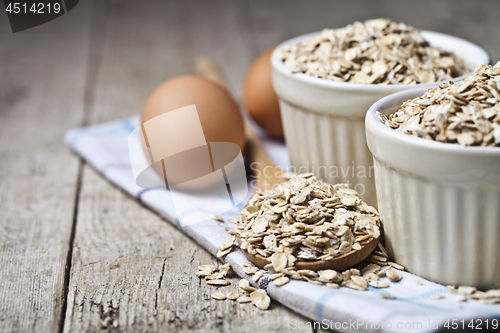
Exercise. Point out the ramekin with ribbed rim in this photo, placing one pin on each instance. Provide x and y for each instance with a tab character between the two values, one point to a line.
324	120
439	202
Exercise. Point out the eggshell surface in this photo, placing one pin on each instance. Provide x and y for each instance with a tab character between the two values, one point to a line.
219	114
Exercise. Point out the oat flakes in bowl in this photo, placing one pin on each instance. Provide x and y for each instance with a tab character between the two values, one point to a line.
465	112
377	51
440	200
323	118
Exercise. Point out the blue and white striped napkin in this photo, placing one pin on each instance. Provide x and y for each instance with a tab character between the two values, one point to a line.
105	147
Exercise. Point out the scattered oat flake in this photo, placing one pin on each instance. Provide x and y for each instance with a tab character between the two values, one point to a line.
396	266
379	284
275	276
269	267
279	261
260	299
258	275
382	249
370	268
353	285
218	296
387	296
466	290
244	299
379	258
221	254
250	270
490	301
359	281
244	283
232	295
281	281
329	275
228	243
203	273
384	270
216	217
393	276
436	297
218	282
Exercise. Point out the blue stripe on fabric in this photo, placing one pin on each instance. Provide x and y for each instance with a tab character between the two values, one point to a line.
320	304
141	192
178	223
129	125
408	300
77	135
428	294
424	296
83	132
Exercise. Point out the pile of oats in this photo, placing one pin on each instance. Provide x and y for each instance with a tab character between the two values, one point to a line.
214	275
466	293
376	51
226	247
353	278
466	112
485	297
305	219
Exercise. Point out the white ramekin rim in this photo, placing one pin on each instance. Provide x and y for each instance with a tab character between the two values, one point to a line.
279	66
394	101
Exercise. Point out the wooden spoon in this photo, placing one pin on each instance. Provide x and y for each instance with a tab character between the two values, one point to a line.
268	176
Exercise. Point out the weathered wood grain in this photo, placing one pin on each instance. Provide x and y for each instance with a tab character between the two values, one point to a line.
130	269
133	271
42	79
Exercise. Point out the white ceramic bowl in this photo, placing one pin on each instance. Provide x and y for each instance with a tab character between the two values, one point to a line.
324	120
439	202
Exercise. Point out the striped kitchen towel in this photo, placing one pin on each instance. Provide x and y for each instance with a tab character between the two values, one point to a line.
105	147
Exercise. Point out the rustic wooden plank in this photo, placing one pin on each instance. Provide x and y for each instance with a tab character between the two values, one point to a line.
42	79
130	269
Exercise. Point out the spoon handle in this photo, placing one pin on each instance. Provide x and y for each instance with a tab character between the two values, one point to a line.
266	172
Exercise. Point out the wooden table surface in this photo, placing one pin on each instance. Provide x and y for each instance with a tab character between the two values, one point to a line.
76	253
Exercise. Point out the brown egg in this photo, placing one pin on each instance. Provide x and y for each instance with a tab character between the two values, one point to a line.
259	97
219	114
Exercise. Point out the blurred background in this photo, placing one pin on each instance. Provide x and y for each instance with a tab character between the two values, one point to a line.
133	46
